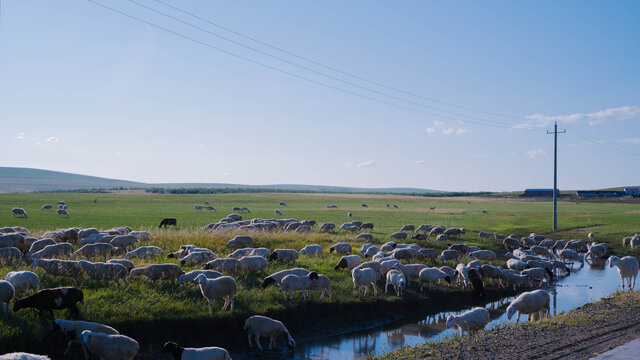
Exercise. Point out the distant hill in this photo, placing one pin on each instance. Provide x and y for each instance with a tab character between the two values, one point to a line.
15	180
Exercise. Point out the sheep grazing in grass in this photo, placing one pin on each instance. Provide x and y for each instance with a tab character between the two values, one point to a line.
109	347
431	277
396	279
62	250
104	271
240	253
311	250
199	257
627	268
206	353
73	330
362	278
348	262
470	321
23	281
168	222
483	255
258	325
9	256
447	255
54	267
52	299
63	212
284	256
241	241
141	235
277	212
225	265
253	263
408	228
7	292
510	243
365	237
376	266
398	236
126	263
157	272
193	274
37	246
492	273
320	283
340	248
124	242
410	271
372	250
19	212
144	252
46	207
407	254
530	303
327	227
23	356
91	251
293	283
224	287
277	277
366	226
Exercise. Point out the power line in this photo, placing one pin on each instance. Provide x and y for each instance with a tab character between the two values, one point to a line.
596	144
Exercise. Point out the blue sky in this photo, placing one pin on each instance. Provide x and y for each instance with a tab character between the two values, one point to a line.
85	89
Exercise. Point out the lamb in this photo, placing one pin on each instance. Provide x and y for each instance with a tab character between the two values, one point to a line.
7	292
126	263
157	272
124	242
447	255
55	267
224	287
9	256
253	263
73	330
193	274
54	251
341	248
483	255
198	257
362	278
91	251
349	262
37	246
431	276
627	268
104	271
322	284
293	282
22	281
109	347
144	252
311	250
284	255
241	241
470	321
19	212
206	353
397	280
533	302
225	265
276	278
52	299
23	356
259	325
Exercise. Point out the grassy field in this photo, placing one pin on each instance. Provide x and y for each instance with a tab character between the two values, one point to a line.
148	302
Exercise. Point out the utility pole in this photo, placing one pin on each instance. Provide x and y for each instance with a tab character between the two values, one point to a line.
555	173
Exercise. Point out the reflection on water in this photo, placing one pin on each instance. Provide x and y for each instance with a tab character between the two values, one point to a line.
585	285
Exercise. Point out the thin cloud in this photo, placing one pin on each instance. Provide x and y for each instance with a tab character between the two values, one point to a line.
438	123
52	139
226	174
20	136
594	118
635	141
347	166
419	162
368	164
532	154
431	130
452	131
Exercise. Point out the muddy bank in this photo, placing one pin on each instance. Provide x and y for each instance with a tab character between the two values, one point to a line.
580	334
306	321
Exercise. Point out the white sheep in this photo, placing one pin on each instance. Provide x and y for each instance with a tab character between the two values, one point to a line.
54	251
264	252
387	265
431	277
22	281
410	271
396	279
349	262
158	272
7	292
311	250
253	263
141	235
463	274
405	253
470	321
74	329
9	255
144	252
475	264
241	241
277	277
516	264
225	265
372	250
198	257
63	212
258	325
104	271
322	284
362	278
206	353
376	266
341	248
240	253
223	286
124	242
447	255
23	356
284	255
56	267
483	255
627	268
109	347
570	256
537	274
193	274
533	302
293	283
90	251
37	246
126	263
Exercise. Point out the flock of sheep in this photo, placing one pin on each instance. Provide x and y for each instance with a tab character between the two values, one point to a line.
532	261
62	210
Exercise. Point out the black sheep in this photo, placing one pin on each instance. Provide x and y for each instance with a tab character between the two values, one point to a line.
52	299
168	222
476	282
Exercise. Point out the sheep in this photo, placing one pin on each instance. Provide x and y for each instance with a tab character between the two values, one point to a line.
421	236
7	292
510	243
447	255
516	264
442	237
376	266
635	242
539	274
104	271
56	267
23	356
470	321
54	251
224	287
409	227
542	251
168	222
424	227
191	276
225	265
264	252
19	212
576	245
124	242
144	252
362	278
241	241
463	274
590	237
311	250
258	325
276	278
206	353
37	246
322	284
198	257
484	255
327	227
278	212
9	255
397	280
349	262
476	282
627	268
52	299
365	237
366	226
126	263
372	250
398	236
462	249
407	254
141	235
22	281
284	256
109	346
310	223
240	253
73	330
427	254
410	271
515	279
97	238
303	229
569	256
293	282
436	230
182	252
253	263
596	250
485	235
63	212
46	207
91	251
547	243
341	248
489	272
475	264
533	302
431	276
157	272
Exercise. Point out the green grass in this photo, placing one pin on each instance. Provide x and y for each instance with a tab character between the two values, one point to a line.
107	303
